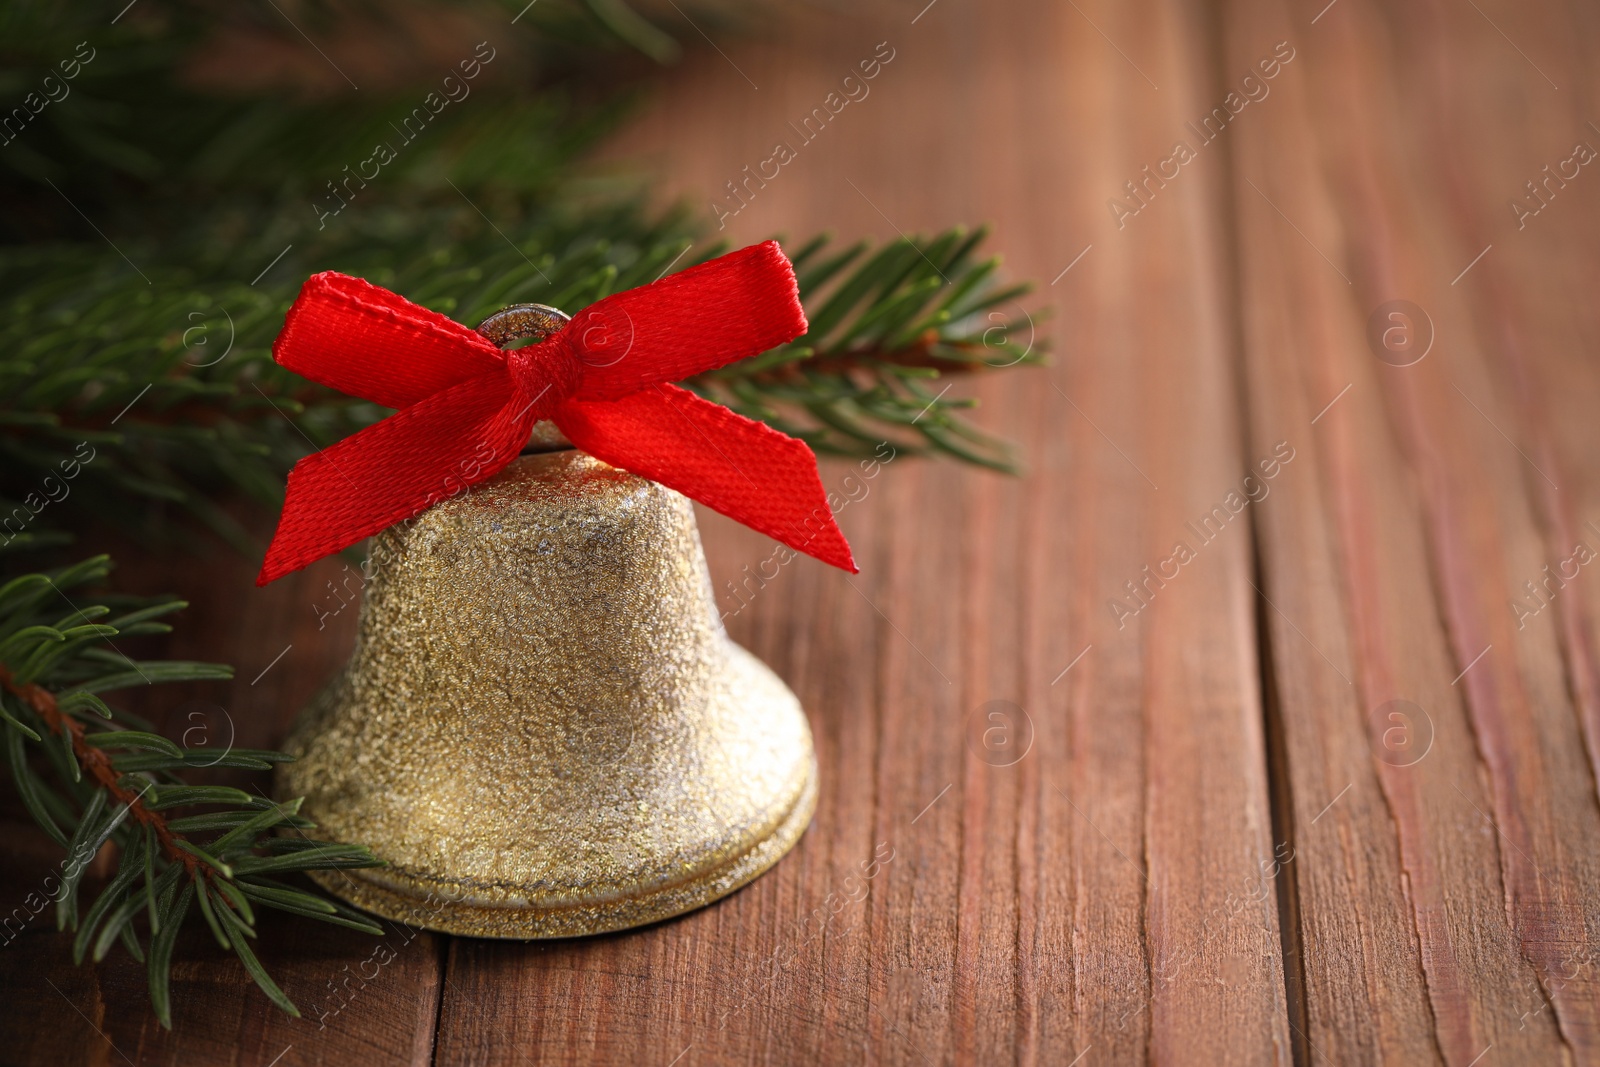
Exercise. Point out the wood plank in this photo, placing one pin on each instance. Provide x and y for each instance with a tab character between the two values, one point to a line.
1533	716
1103	897
1391	562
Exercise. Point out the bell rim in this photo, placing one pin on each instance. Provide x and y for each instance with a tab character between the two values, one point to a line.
618	912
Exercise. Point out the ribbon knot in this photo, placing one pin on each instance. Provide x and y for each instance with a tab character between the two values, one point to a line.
464	408
543	376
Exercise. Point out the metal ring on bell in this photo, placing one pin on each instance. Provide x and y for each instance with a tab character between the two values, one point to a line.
519	321
535	321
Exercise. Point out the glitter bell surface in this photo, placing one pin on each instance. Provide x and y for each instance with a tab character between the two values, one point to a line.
544	730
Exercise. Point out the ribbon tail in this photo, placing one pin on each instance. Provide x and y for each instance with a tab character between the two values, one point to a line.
742	468
396	469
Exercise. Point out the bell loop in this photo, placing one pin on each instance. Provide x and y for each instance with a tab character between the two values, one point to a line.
544	375
518	321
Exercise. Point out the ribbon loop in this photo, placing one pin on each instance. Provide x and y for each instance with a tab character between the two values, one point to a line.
604	378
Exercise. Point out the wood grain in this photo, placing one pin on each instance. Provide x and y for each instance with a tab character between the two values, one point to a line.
1101	896
1217	845
1426	503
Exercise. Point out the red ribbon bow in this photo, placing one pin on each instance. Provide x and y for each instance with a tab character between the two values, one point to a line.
466	408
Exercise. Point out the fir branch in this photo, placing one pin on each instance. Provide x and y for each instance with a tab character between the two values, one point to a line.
136	379
103	378
98	765
120	784
884	326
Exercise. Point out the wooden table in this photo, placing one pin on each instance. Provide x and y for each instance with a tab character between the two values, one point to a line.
1247	531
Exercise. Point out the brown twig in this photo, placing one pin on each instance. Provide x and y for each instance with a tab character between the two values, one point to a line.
98	764
917	354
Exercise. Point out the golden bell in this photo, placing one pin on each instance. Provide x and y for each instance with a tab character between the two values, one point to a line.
544	729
